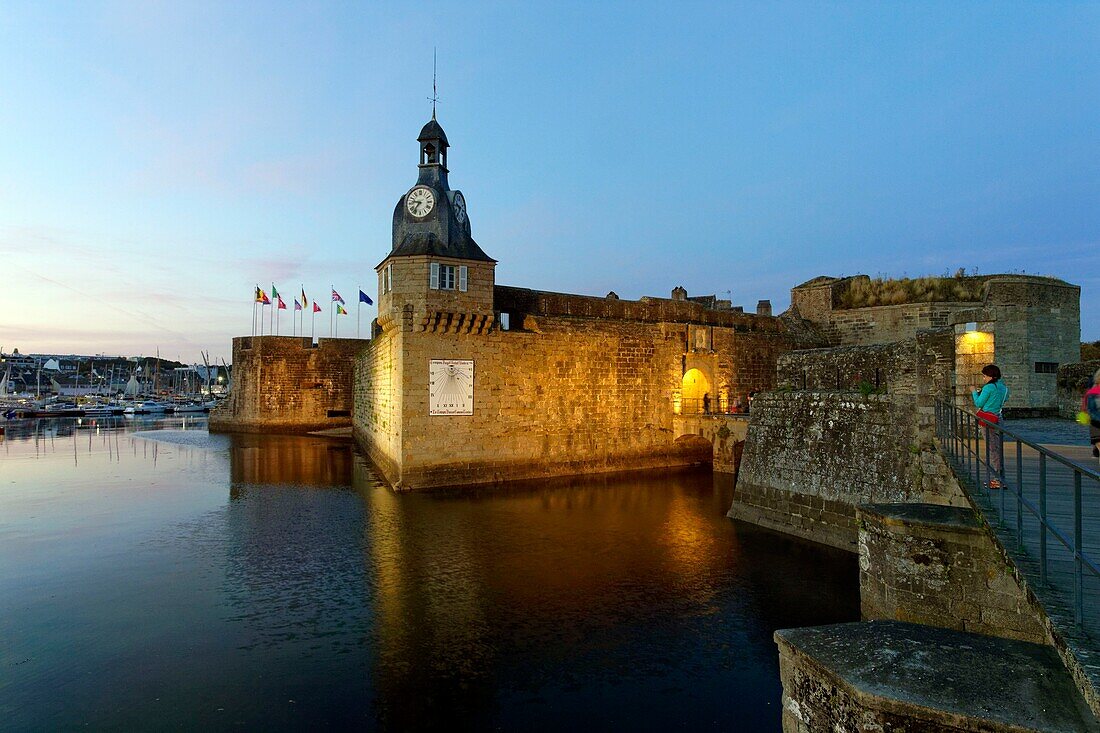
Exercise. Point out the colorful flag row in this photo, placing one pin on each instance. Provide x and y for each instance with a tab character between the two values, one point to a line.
262	297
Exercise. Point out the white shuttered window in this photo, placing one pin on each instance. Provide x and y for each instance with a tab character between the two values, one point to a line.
462	276
433	277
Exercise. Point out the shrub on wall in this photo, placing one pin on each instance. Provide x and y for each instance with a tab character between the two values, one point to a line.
863	293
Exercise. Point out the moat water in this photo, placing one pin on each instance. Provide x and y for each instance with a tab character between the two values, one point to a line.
153	576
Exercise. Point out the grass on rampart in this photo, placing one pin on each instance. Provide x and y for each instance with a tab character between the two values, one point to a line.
897	291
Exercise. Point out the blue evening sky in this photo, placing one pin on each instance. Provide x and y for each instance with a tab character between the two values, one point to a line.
158	159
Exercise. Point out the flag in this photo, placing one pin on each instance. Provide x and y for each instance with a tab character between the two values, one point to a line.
297	305
364	298
274	292
259	295
282	305
336	297
316	308
305	300
340	310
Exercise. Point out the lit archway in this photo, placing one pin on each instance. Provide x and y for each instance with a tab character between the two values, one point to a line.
693	388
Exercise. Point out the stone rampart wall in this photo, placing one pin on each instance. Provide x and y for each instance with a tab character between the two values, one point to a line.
886	323
811	457
558	396
287	384
920	367
520	302
919	370
938	565
1071	381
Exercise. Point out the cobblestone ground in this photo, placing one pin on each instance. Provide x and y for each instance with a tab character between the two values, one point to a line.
1056	431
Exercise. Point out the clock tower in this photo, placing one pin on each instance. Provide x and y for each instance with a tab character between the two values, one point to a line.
435	276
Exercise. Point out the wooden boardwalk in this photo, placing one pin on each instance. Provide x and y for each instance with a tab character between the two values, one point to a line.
1009	515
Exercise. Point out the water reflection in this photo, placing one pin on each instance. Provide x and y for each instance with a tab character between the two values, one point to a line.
177	579
606	593
287	459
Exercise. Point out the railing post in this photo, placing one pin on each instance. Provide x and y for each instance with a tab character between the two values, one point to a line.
1019	492
1042	517
957	438
972	453
987	431
1078	575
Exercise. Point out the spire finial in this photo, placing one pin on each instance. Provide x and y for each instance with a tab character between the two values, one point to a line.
435	97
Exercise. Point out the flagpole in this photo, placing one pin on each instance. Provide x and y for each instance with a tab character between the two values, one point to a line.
312	325
331	309
358	309
271	318
254	312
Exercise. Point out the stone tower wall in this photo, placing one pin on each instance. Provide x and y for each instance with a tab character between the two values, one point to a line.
410	288
1037	328
287	384
377	388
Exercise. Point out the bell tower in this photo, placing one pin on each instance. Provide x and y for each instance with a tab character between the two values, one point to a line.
435	277
433	154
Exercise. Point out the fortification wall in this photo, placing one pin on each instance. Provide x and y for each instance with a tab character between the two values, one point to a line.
811	458
559	396
378	394
286	384
521	302
886	323
1072	379
938	565
920	368
1037	328
1032	326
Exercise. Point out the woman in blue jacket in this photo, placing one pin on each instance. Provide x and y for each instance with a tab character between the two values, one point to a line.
990	401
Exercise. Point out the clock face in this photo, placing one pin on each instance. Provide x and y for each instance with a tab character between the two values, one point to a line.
460	208
420	201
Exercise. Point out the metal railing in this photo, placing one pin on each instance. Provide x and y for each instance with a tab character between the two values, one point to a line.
971	445
713	406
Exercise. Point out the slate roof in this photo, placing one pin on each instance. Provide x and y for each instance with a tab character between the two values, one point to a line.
427	243
433	131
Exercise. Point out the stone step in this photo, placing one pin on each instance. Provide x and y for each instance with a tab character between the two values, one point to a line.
892	676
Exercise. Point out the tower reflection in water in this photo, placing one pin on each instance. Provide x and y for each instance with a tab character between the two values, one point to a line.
624	600
603	600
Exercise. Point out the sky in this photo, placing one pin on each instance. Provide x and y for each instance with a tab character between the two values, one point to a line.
158	160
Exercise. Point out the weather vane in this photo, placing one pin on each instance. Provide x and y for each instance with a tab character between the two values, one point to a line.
435	97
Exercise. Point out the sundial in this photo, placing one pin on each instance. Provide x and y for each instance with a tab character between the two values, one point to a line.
451	387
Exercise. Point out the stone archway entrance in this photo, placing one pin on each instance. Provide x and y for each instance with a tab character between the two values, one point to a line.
693	388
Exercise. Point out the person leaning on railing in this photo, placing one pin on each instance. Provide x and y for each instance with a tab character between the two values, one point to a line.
990	401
